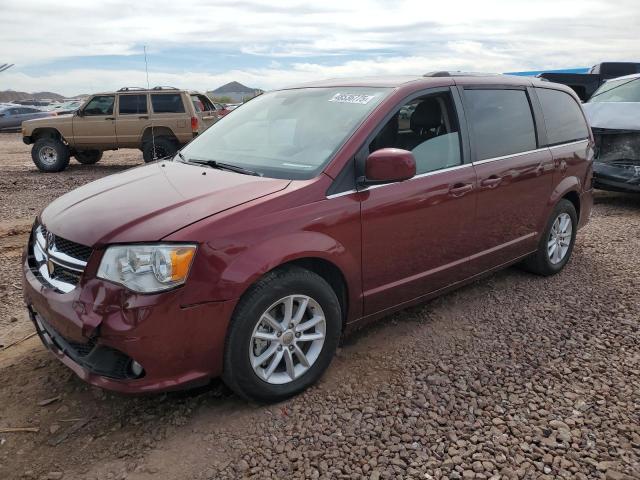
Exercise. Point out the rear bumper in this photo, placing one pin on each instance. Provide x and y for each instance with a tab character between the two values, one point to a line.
98	329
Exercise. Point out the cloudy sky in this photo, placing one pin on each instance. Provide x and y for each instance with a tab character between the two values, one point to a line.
74	47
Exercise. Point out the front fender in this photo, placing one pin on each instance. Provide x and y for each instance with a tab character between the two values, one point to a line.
237	268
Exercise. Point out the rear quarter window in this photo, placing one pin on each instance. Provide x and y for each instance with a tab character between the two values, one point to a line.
501	122
167	103
562	116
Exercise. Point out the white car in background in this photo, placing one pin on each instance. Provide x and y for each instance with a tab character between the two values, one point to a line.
613	112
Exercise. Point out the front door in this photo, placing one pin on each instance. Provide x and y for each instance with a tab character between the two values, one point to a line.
95	124
417	234
515	173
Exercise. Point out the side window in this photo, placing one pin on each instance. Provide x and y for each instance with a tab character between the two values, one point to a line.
501	122
100	105
428	128
132	104
562	116
167	103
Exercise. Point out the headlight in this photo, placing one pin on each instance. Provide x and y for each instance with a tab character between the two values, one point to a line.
147	268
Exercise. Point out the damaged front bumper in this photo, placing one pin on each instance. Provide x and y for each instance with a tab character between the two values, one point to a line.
617	163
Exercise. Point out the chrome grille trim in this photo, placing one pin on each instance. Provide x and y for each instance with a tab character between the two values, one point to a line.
44	251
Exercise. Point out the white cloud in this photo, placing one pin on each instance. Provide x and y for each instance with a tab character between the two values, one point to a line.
493	35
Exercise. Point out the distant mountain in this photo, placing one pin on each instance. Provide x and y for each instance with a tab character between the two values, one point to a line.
12	95
236	91
234	87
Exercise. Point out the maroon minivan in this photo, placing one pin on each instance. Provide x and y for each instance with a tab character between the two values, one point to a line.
308	212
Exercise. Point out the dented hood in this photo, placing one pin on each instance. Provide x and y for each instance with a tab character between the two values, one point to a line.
613	115
148	203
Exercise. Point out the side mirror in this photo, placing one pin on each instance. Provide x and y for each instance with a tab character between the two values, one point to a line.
79	113
388	165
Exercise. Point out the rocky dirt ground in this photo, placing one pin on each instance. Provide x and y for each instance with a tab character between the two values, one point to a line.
513	377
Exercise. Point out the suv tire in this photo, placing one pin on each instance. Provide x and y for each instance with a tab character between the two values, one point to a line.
556	243
50	155
164	147
264	302
88	157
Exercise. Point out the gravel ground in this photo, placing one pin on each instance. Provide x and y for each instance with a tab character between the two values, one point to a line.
515	376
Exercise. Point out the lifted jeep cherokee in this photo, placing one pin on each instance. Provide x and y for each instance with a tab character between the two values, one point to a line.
158	121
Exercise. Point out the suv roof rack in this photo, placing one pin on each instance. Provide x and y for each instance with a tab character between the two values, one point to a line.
457	73
164	87
126	89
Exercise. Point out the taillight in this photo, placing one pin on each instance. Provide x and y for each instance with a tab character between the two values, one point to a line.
194	124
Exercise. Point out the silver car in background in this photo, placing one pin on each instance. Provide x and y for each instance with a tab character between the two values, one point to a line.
12	116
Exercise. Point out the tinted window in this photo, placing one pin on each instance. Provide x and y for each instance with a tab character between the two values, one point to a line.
167	103
100	105
562	116
132	104
501	122
428	128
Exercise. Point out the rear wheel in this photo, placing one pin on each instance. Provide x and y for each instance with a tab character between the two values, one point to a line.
161	147
88	157
50	155
556	244
282	336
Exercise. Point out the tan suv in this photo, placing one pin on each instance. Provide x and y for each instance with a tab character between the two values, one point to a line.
157	121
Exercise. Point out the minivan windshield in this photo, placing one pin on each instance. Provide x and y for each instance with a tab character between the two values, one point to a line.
289	134
622	90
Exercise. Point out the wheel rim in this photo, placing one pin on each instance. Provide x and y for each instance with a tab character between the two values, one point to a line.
48	155
288	339
559	238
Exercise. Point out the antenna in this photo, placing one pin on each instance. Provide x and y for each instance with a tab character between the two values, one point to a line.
153	135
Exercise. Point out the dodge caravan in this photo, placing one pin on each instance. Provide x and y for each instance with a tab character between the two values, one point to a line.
307	213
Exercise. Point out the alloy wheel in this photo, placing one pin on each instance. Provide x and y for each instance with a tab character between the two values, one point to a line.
288	339
559	238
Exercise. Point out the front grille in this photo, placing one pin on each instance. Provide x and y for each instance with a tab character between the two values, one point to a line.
72	249
55	261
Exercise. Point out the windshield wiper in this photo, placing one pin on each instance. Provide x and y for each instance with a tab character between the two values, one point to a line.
220	165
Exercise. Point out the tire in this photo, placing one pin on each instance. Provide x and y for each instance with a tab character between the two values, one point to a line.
88	157
164	147
242	348
50	155
547	260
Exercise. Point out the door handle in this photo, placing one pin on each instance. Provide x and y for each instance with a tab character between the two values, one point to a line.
460	189
143	117
491	182
110	118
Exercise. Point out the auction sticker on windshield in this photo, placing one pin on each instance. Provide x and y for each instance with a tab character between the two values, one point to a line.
352	98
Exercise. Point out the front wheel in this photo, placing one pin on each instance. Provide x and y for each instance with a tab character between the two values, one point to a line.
50	155
556	244
282	336
88	157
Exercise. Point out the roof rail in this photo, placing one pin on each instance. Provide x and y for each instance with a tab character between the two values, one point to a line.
164	87
126	89
457	73
440	73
